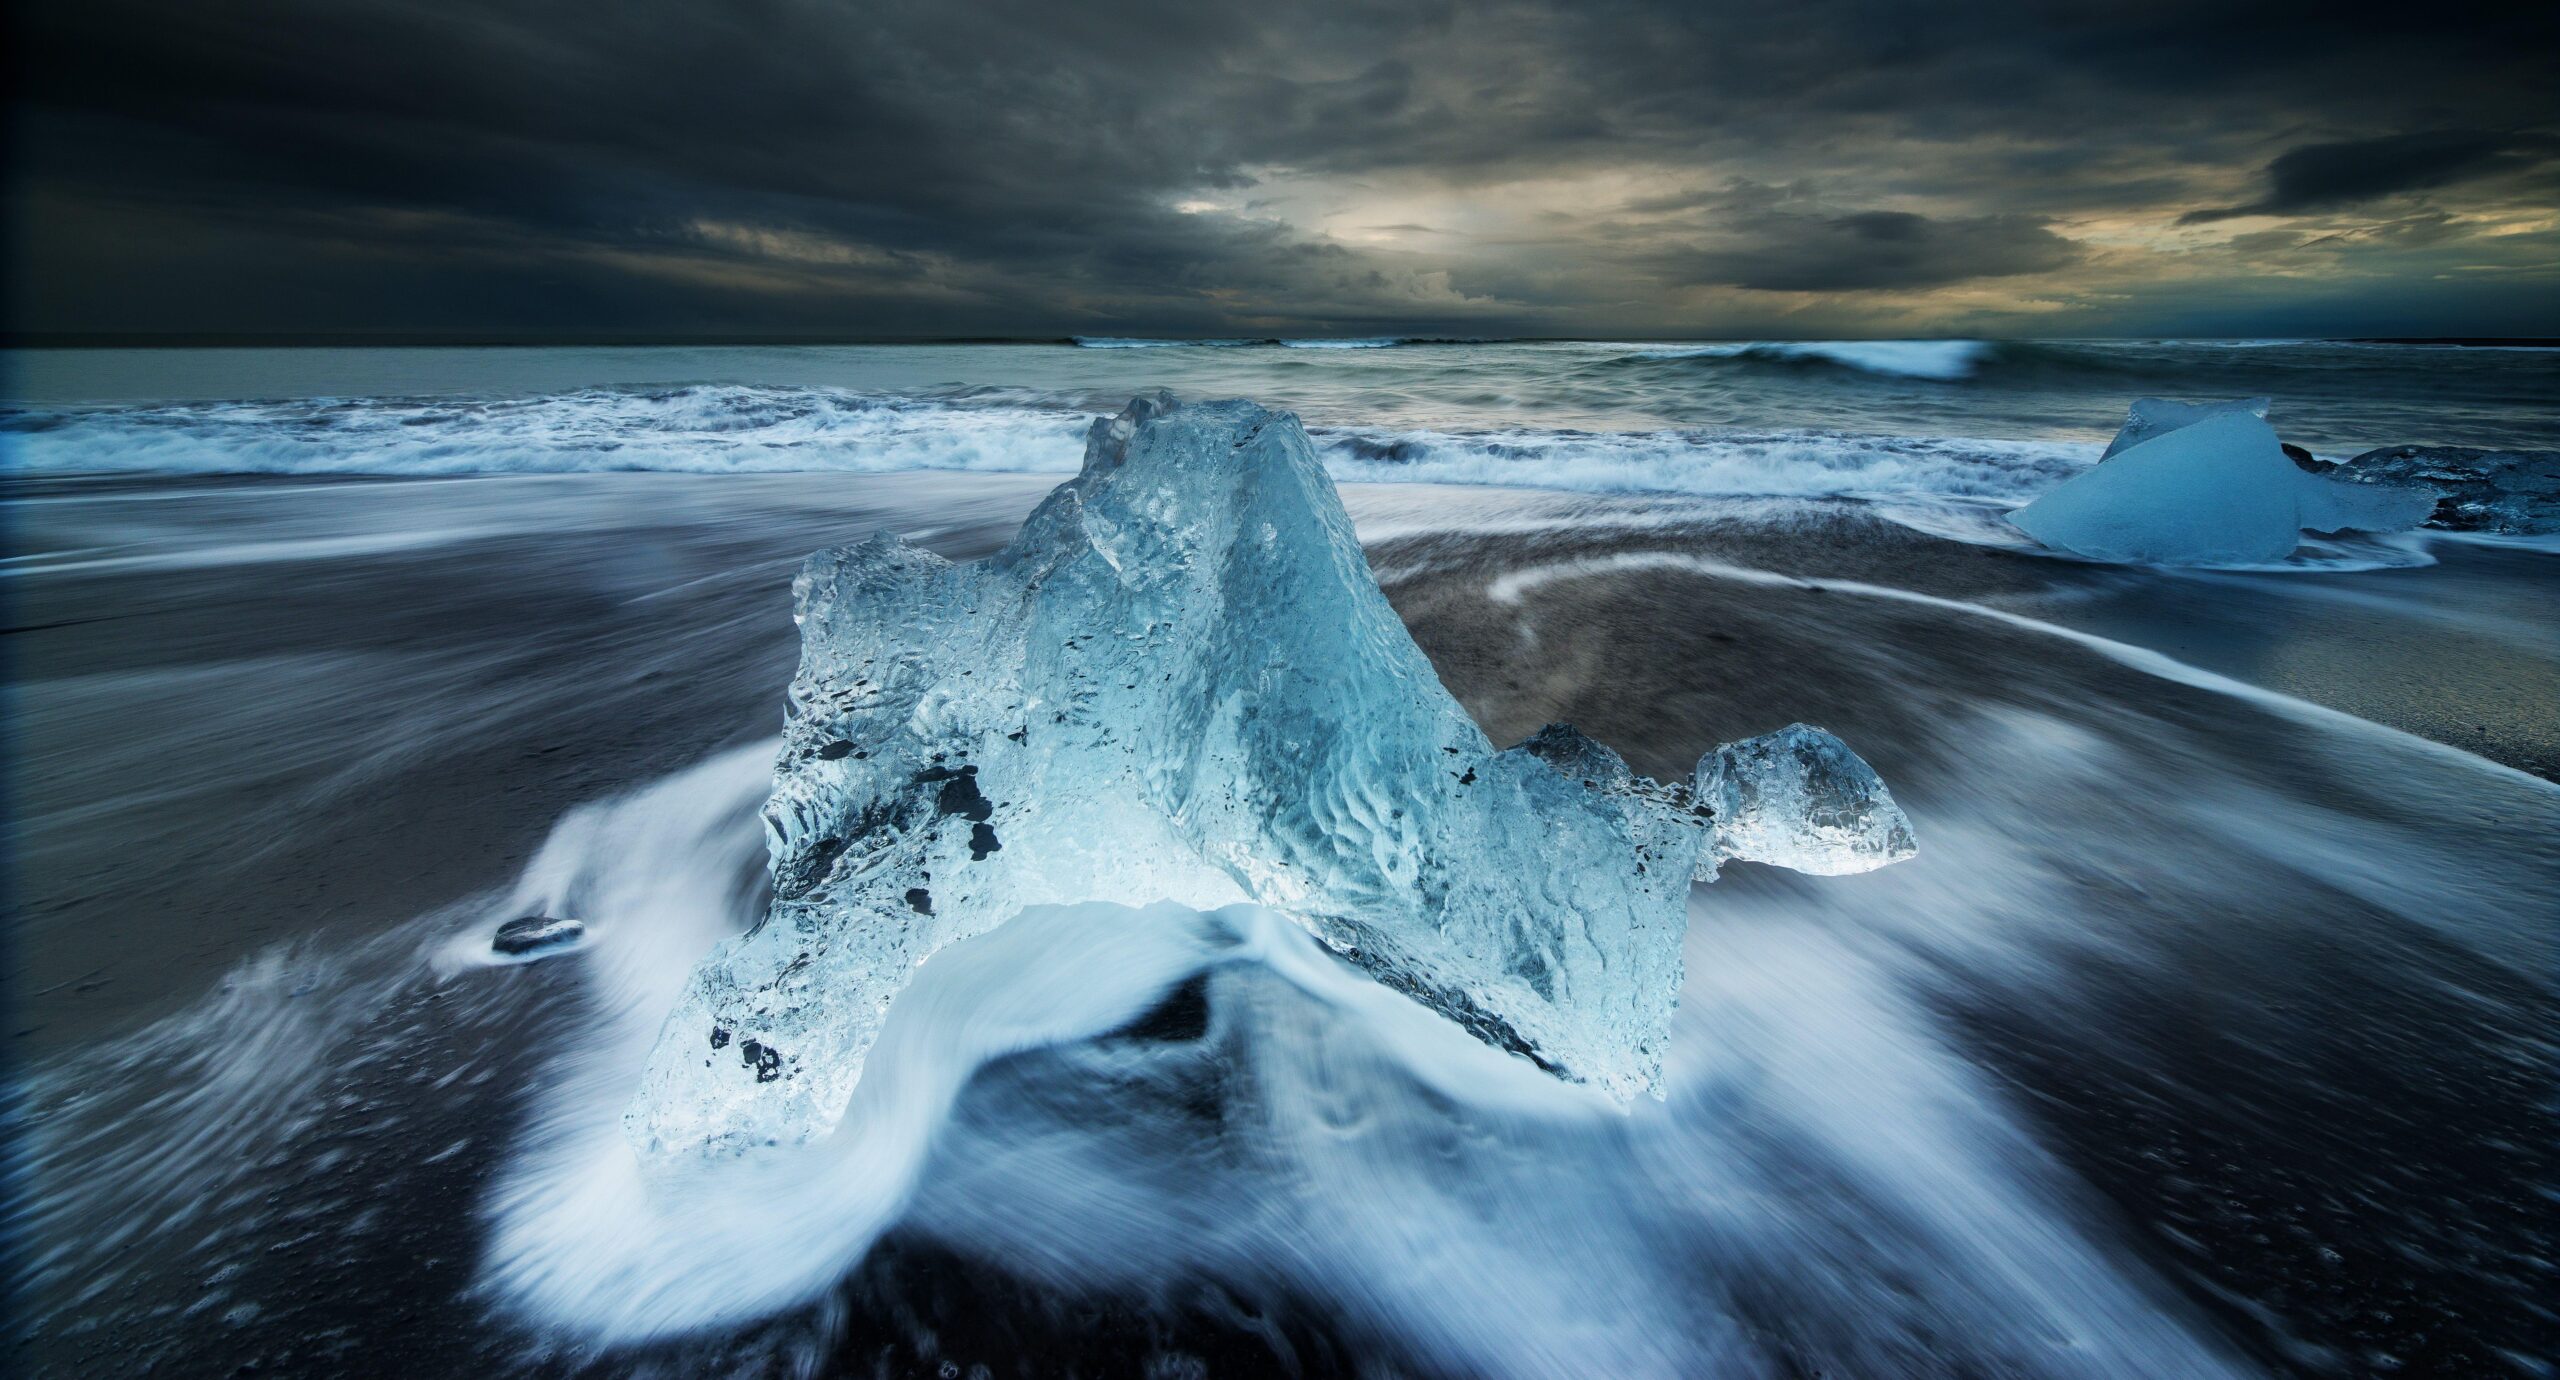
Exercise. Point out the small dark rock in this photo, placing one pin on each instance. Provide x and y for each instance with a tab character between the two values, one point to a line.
2514	492
537	934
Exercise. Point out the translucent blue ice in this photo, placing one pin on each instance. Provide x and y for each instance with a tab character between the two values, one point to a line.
1180	682
2150	417
1799	799
2216	490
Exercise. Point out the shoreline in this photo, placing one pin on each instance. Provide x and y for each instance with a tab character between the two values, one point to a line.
270	703
2161	945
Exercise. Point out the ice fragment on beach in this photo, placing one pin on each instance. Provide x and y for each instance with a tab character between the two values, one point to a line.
1180	682
1799	798
2215	491
2152	417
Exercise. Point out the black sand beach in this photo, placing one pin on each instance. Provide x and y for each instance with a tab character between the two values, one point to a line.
2266	980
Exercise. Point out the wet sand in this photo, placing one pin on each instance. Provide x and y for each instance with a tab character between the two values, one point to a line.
253	714
252	710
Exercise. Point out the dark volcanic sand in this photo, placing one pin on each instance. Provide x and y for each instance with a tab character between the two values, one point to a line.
2287	1013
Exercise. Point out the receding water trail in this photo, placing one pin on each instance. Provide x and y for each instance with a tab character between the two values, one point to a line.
2210	1033
584	1238
1509	588
1304	1132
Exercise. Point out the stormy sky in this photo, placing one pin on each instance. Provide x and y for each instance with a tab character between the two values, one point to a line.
1560	167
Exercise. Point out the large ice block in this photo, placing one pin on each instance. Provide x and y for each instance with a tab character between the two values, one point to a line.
2216	491
1179	683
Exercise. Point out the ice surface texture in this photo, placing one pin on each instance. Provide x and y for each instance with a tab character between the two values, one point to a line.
2150	417
1179	683
2512	492
2213	488
1800	799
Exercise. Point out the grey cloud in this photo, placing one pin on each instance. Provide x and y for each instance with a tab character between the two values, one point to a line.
2323	177
1772	247
1007	166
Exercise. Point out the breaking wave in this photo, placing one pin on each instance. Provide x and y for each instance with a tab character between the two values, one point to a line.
1940	360
2293	370
722	429
1365	343
1918	359
1125	342
1374	342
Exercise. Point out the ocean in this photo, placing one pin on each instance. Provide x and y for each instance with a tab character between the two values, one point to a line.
1854	418
2209	1033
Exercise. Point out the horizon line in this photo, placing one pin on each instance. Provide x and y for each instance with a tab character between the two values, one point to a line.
90	340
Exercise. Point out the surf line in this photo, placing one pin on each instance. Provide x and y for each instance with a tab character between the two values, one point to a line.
1509	588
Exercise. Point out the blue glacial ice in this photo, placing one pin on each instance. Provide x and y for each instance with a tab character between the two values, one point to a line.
1799	799
2206	484
1180	682
2150	417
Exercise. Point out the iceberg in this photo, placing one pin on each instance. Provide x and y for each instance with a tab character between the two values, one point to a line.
2215	490
1181	683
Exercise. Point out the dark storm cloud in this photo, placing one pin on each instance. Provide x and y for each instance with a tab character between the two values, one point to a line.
2321	177
1001	166
1773	249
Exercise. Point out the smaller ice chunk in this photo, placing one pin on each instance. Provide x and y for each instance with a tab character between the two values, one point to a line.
2152	417
2219	491
1799	798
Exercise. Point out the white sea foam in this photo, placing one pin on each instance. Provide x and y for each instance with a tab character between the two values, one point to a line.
1367	1154
736	429
1791	464
1126	342
715	429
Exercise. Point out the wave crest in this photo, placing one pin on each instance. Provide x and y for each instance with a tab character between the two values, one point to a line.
1936	360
